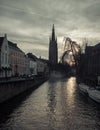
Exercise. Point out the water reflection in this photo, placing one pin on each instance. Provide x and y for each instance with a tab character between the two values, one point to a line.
70	87
52	105
8	107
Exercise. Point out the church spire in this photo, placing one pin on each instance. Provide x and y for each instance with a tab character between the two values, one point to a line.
53	50
53	33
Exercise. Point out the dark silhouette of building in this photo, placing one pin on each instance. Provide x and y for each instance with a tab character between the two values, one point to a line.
90	63
53	50
92	60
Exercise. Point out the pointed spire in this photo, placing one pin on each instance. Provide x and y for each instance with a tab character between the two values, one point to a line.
53	27
56	39
53	33
53	50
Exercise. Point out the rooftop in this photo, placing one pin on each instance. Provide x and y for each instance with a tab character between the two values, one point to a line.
14	46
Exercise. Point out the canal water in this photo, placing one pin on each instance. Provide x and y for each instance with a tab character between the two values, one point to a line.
55	105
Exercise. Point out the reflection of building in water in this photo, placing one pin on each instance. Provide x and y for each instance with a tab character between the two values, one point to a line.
52	105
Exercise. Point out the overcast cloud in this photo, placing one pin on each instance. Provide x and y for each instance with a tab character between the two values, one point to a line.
29	22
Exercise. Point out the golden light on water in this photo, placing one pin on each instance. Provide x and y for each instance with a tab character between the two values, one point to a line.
70	89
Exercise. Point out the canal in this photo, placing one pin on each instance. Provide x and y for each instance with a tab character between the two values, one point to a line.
55	105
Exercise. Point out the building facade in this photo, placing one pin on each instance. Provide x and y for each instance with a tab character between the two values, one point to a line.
90	63
16	59
38	66
53	49
14	62
32	64
5	70
27	65
41	67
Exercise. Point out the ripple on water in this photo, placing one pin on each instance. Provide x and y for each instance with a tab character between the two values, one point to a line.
54	105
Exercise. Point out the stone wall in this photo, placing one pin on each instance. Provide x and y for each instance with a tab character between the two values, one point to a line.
9	89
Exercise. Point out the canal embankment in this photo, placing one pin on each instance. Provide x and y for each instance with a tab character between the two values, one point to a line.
13	87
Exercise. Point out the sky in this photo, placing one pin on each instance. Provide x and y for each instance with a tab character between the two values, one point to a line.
29	22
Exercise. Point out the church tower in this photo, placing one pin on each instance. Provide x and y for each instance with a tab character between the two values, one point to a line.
53	49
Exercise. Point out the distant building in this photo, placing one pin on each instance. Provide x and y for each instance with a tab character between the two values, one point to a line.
14	62
53	49
38	66
41	66
16	59
4	57
32	64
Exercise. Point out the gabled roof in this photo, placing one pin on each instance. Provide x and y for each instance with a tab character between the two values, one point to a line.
1	41
90	49
31	56
97	45
14	46
43	60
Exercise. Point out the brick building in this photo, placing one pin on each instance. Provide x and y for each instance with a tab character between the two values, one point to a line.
16	59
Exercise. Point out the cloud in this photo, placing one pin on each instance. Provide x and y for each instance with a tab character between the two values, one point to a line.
29	22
